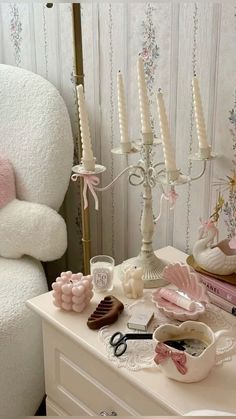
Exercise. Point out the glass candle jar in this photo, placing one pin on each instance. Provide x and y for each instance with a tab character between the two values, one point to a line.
102	270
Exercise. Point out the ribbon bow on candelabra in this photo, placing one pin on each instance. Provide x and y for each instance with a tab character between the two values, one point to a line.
163	352
171	197
89	182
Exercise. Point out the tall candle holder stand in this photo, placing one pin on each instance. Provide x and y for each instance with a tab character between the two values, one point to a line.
148	174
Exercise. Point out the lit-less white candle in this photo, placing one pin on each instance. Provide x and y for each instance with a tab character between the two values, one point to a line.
88	159
144	104
123	120
165	135
199	116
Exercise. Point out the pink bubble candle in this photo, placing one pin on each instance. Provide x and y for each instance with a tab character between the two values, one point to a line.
72	292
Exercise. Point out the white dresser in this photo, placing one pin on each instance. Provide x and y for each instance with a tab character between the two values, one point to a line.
80	380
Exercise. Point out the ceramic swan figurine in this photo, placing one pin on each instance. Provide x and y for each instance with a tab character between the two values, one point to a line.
218	259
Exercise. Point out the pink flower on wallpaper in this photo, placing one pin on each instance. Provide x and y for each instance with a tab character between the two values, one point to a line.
145	54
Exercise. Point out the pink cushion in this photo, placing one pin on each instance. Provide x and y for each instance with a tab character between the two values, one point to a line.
7	182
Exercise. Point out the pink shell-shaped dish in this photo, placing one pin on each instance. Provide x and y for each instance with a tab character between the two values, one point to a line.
186	282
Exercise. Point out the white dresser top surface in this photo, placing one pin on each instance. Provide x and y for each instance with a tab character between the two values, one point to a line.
216	392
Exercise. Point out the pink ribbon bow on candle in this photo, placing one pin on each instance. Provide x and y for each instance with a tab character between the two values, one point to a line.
163	352
89	182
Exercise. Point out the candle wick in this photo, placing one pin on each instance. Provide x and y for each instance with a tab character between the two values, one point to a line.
194	74
159	90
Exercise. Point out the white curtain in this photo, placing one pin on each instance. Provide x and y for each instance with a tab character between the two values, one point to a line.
175	39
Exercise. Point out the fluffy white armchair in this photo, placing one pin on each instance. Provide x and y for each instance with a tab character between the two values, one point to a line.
35	135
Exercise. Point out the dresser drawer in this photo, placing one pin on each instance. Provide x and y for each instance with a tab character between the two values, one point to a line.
85	385
53	409
70	385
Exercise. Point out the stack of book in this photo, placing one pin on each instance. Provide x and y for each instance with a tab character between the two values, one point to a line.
221	294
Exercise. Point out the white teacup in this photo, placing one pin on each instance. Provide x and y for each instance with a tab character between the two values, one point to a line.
180	365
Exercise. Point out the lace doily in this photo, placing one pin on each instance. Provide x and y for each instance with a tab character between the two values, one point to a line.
139	353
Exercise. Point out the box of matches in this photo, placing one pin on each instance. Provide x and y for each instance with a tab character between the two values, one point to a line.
140	320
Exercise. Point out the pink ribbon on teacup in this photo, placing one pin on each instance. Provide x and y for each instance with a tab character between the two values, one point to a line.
163	352
89	182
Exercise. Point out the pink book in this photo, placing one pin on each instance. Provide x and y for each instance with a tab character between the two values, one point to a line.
220	288
223	304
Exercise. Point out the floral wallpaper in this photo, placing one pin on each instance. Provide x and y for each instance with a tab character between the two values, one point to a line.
40	39
176	41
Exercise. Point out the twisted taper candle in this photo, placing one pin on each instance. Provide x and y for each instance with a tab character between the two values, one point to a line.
123	120
165	134
199	116
87	152
144	103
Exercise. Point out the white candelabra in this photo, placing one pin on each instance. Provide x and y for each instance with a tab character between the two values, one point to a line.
146	172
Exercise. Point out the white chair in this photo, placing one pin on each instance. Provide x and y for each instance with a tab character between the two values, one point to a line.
35	135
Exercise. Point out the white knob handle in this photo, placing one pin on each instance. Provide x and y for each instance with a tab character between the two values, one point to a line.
104	413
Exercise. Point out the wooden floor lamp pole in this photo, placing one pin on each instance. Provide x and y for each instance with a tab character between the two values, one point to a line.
80	80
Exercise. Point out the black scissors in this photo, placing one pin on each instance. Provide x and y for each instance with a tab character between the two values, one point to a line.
118	341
